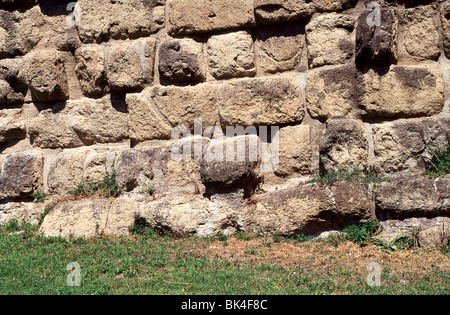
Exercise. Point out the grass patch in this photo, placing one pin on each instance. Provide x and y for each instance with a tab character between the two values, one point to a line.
439	163
164	265
361	233
107	187
38	196
369	175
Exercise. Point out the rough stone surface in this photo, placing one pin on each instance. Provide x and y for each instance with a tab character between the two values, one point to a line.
421	31
377	44
21	175
12	126
280	49
445	20
261	101
402	145
231	55
331	92
344	145
402	91
409	197
47	77
90	69
329	41
90	217
181	61
294	150
129	66
103	20
432	237
208	15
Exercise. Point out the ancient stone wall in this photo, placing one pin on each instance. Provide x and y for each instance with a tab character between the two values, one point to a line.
93	88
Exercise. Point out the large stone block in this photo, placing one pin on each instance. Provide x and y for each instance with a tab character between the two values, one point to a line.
231	55
331	92
401	145
50	128
261	101
13	84
411	196
208	15
11	41
21	175
129	66
304	209
90	69
274	11
280	49
377	43
329	39
422	33
344	145
90	218
104	19
401	91
181	62
294	150
46	75
12	125
102	120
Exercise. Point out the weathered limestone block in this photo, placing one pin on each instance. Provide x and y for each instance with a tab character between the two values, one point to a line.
11	42
46	75
333	5
261	101
90	69
182	105
90	217
66	171
377	43
145	120
189	214
411	196
50	128
434	236
344	145
445	20
402	91
274	11
129	66
181	61
331	92
280	49
353	203
421	33
329	39
228	173
13	86
305	209
401	145
29	212
21	174
102	20
294	150
208	15
98	120
231	55
12	125
135	167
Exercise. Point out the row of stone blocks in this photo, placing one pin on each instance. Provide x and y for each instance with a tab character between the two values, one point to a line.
183	164
417	33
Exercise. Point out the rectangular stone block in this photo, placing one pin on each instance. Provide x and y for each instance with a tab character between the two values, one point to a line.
265	101
401	91
202	16
21	175
102	20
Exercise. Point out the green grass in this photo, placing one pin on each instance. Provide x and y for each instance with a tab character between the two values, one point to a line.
366	176
153	264
38	196
107	187
439	164
361	233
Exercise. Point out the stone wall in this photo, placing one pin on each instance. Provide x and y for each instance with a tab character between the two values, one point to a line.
96	87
